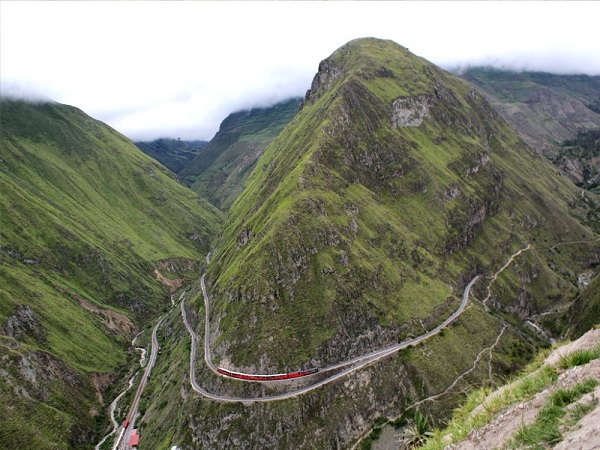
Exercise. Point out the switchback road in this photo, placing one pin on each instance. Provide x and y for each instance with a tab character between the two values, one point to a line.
347	367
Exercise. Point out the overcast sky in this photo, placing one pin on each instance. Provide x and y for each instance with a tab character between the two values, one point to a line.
176	69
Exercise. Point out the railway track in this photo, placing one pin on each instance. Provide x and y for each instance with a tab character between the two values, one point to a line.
343	368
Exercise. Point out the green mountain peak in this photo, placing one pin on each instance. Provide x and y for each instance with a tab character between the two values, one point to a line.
370	211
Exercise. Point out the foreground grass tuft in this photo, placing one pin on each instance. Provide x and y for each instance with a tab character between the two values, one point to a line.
466	419
545	430
578	357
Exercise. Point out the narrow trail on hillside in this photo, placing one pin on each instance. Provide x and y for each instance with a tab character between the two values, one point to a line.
489	349
489	288
573	243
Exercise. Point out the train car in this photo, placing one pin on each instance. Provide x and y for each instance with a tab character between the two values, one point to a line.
125	423
303	373
272	377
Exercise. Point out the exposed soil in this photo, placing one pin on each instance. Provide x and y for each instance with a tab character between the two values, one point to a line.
112	320
583	436
173	285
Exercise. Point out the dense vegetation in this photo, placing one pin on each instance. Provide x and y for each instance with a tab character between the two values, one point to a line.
86	218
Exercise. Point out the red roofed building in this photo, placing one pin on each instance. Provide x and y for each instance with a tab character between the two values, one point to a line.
134	439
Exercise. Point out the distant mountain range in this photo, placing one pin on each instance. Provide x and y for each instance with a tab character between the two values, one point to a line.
174	154
550	111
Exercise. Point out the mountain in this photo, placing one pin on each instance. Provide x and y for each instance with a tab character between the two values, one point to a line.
219	172
395	178
174	154
545	108
360	227
88	224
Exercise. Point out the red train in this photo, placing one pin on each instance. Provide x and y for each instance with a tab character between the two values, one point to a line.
274	377
126	423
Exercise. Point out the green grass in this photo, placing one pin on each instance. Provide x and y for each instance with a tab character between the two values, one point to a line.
578	357
220	171
85	215
545	430
464	419
534	379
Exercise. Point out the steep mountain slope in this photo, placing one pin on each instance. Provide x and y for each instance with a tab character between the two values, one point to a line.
220	171
585	312
545	108
86	218
579	159
360	226
394	185
174	154
553	404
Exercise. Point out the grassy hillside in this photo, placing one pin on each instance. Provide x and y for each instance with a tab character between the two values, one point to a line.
552	404
394	185
85	220
545	108
360	225
220	171
174	154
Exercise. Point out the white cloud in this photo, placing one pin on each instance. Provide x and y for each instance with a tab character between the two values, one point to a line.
176	69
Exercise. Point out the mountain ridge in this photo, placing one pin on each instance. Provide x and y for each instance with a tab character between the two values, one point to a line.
219	173
86	219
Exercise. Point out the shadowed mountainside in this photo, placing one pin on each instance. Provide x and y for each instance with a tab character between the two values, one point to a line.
174	154
220	171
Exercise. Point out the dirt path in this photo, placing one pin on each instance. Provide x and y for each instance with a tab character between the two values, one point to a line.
489	288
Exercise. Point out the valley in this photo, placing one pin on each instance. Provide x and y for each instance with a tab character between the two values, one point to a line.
389	240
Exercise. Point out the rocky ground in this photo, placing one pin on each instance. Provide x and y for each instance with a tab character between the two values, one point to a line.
585	435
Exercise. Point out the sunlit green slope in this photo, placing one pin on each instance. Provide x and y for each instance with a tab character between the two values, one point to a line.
85	219
220	171
365	218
